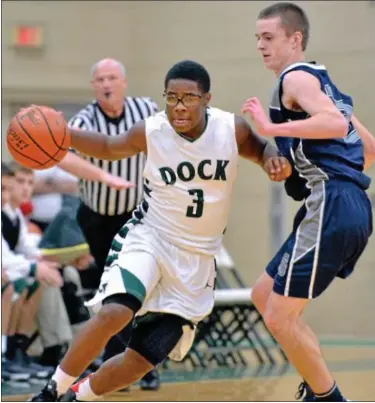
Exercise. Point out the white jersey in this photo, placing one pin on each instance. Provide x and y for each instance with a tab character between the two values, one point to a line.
189	184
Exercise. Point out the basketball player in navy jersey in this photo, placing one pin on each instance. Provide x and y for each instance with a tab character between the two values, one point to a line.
328	148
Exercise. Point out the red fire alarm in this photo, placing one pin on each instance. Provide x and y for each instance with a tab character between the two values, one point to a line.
28	36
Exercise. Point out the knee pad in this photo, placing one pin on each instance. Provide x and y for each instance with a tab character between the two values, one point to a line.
156	334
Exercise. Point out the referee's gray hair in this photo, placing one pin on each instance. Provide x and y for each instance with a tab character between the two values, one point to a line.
95	66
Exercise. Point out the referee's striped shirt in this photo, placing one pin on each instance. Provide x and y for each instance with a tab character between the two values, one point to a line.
97	196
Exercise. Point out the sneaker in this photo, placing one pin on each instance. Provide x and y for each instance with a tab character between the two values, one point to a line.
305	393
38	372
47	394
151	381
11	371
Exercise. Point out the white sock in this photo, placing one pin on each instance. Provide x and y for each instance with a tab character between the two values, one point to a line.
63	381
84	392
3	344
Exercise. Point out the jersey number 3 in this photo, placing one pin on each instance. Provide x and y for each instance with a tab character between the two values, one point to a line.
196	211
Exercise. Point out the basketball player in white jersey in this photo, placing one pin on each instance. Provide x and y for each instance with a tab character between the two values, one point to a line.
161	267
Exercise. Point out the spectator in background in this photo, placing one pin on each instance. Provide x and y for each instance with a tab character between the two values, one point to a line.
10	372
20	257
21	260
103	211
21	294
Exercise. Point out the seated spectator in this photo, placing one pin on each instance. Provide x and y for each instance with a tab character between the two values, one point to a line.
20	301
23	263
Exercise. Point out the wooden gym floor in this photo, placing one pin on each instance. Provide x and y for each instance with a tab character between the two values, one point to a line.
353	367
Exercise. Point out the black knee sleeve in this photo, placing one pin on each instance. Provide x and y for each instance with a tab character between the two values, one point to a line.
127	300
155	335
117	344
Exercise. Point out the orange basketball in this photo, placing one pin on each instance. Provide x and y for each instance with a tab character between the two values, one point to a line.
38	137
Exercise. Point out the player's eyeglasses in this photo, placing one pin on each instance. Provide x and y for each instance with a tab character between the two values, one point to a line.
187	100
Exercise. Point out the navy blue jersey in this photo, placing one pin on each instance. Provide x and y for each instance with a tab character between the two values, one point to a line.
316	160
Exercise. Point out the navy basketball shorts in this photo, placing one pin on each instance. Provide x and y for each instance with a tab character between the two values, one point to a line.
330	232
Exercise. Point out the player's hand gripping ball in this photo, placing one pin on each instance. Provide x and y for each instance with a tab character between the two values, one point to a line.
38	137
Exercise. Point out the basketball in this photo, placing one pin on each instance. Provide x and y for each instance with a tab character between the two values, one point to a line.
38	137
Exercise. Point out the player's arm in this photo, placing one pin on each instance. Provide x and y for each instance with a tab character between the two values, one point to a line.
53	184
259	150
79	167
325	121
368	142
303	91
83	169
101	146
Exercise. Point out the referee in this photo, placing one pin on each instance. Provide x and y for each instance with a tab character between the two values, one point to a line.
104	210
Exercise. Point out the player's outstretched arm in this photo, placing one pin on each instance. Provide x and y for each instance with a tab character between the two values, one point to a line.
302	90
368	142
111	148
79	167
257	149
